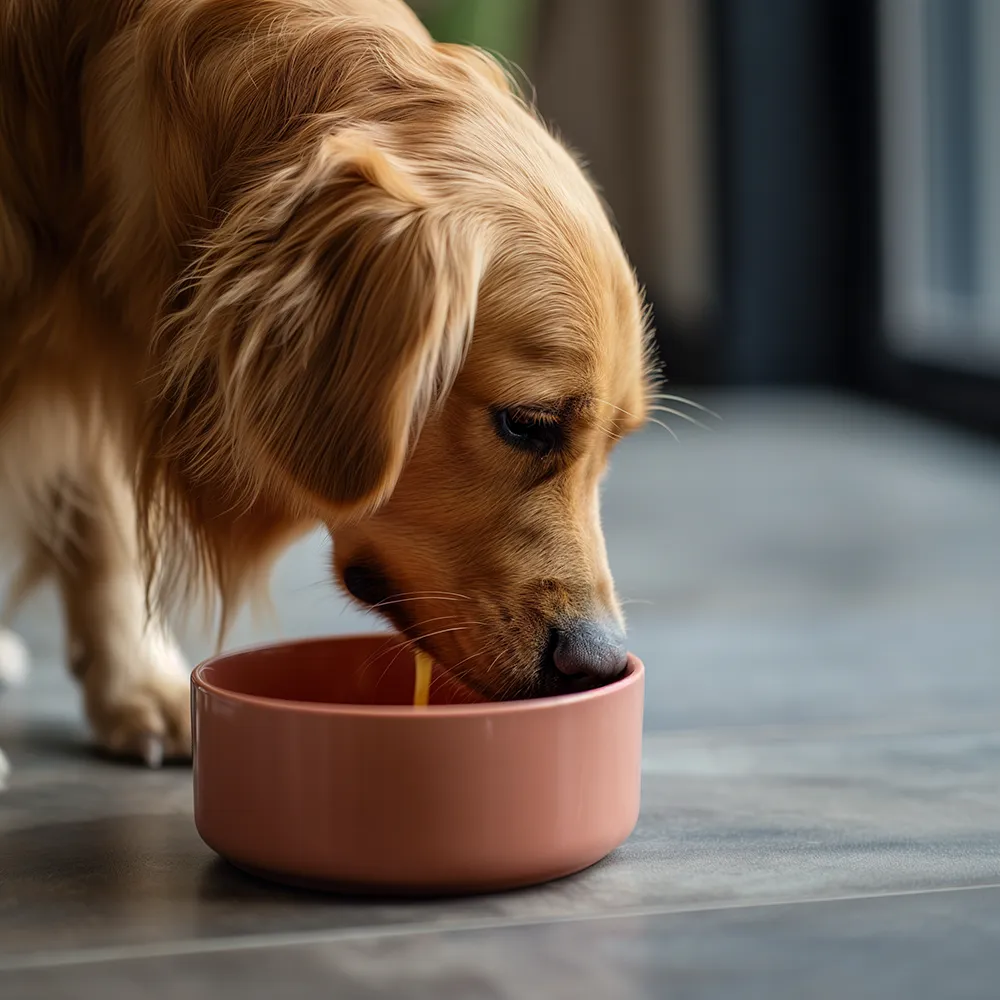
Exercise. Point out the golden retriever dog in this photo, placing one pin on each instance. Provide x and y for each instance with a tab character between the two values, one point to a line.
273	264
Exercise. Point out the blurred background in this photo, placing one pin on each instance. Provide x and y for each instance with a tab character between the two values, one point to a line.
810	189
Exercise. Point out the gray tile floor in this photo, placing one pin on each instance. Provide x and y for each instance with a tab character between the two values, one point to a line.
821	815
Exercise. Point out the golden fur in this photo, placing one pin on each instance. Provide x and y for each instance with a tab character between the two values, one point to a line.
271	263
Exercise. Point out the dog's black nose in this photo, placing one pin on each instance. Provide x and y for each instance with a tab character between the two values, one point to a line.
590	651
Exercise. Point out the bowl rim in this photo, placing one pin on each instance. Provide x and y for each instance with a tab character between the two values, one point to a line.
635	672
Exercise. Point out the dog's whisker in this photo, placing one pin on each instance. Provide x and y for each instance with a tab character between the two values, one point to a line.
681	415
415	640
421	594
403	642
429	593
511	682
614	406
389	665
404	598
458	672
454	669
416	596
494	663
391	642
457	628
668	397
409	642
652	420
666	427
488	669
607	426
441	618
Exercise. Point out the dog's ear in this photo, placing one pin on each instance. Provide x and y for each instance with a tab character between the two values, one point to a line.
331	308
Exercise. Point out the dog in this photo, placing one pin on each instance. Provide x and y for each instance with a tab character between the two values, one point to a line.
268	265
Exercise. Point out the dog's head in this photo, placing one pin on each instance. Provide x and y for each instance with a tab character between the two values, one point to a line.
426	334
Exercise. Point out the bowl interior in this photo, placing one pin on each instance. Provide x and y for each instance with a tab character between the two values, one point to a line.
342	670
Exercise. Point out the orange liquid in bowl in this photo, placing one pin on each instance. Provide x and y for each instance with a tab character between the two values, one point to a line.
423	667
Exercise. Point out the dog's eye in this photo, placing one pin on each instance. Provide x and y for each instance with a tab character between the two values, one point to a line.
529	430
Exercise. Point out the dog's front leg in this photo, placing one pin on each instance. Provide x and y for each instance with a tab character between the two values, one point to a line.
135	681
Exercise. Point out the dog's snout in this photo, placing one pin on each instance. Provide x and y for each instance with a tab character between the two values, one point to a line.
590	651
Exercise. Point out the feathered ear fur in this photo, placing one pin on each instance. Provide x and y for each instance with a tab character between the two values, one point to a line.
326	314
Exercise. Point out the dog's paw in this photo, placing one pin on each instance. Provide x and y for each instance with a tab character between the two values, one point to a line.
144	714
13	659
149	719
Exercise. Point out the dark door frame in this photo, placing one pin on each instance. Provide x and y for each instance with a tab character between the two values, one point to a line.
798	160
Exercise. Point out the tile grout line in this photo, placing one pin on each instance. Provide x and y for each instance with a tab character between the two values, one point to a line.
247	942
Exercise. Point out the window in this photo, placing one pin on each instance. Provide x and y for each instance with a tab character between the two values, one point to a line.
940	187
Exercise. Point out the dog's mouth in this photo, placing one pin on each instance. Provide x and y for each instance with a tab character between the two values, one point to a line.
538	677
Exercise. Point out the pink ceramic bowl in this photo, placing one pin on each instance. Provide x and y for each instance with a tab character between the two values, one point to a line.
312	766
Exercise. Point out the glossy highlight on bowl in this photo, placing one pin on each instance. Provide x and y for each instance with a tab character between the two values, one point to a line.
311	765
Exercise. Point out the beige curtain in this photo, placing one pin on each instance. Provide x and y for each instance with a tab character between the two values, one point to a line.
624	82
